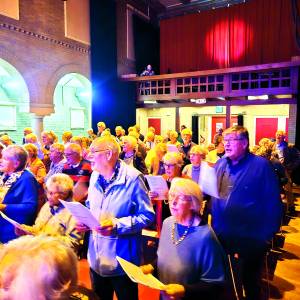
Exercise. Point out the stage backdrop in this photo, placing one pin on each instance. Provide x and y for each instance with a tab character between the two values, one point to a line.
255	32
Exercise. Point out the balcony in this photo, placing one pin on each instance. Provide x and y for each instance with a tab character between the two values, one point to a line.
279	81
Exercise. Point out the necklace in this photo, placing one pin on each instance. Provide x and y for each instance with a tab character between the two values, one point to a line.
184	234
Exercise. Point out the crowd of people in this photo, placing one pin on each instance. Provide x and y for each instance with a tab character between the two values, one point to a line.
202	237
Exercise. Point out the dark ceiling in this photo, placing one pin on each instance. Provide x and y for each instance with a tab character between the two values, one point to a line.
172	8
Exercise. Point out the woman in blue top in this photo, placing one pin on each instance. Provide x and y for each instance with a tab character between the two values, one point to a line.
190	259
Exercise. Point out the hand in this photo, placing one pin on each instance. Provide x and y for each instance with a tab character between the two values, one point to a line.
147	269
81	227
106	227
174	291
25	230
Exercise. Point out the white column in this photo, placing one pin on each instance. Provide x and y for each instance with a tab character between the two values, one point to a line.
38	125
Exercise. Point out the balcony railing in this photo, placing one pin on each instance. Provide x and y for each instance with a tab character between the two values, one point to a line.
239	82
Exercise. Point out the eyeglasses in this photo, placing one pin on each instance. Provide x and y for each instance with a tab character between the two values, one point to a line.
232	140
50	193
169	165
179	198
93	152
69	153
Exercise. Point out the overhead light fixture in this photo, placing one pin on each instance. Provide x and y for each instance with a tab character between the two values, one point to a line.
198	100
150	101
260	97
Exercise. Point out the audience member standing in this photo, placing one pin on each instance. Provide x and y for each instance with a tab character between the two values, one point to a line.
78	169
248	211
19	191
118	199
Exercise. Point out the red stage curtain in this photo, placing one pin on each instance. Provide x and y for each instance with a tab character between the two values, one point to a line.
255	32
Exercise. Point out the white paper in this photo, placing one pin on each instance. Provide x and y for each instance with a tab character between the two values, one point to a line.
136	275
172	148
13	222
208	180
159	185
81	213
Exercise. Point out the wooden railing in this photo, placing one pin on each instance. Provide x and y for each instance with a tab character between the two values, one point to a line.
240	82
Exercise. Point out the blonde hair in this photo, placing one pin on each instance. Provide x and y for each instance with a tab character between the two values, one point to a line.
109	142
31	147
59	147
130	140
199	149
186	131
173	133
101	124
158	139
30	138
188	187
150	135
66	136
37	267
173	158
76	140
74	148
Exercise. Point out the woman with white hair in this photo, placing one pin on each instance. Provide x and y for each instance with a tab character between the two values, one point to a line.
172	162
54	219
18	191
190	259
37	268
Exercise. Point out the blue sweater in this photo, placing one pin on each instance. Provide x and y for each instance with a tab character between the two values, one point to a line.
249	210
198	258
21	204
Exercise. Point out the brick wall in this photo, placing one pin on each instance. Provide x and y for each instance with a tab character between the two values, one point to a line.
36	46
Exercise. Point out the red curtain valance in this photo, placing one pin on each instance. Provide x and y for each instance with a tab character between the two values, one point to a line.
255	32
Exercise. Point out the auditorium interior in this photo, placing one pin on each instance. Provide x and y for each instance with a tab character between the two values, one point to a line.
65	65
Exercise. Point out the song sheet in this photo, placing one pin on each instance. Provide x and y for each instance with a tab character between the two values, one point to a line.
159	185
136	274
81	213
208	180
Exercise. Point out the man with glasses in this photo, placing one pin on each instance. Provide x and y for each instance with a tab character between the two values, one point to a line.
78	169
248	211
118	198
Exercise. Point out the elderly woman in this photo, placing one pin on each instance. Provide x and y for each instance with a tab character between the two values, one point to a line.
193	170
19	191
186	135
34	164
131	156
190	259
173	135
154	158
172	165
53	218
214	155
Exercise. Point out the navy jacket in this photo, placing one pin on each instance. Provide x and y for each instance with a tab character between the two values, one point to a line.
251	213
21	205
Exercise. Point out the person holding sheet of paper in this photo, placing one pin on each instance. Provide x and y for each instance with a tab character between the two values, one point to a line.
18	191
190	260
172	164
248	211
53	218
118	198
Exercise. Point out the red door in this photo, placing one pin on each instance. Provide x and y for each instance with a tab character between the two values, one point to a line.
265	128
220	122
156	123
